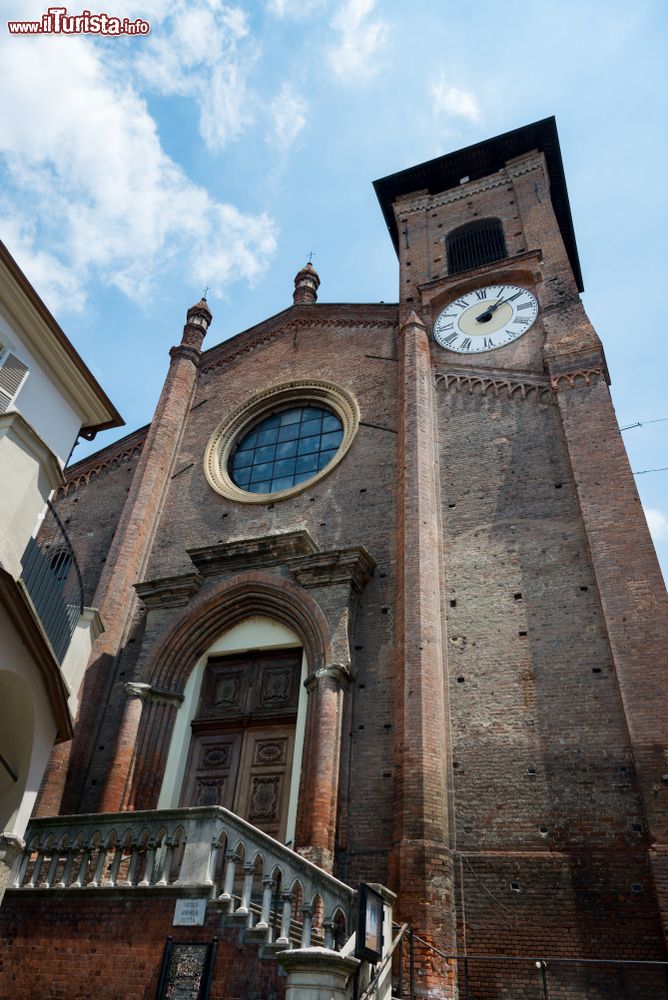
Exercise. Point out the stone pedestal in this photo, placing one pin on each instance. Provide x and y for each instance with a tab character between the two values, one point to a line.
318	974
11	847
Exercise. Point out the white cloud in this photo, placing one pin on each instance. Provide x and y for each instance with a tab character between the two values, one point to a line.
204	51
297	10
58	285
657	523
353	55
87	166
288	116
454	101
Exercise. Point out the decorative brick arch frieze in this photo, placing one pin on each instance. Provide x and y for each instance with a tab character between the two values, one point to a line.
504	386
577	377
112	462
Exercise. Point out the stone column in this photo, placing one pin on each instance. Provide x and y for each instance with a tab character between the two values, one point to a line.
317	974
119	793
319	789
420	862
126	743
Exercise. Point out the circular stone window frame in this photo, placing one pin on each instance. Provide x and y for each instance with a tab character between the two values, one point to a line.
301	392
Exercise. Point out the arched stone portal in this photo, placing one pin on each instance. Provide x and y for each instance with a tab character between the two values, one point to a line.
147	733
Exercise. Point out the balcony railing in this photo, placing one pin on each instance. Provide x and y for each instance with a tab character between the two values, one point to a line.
52	578
277	896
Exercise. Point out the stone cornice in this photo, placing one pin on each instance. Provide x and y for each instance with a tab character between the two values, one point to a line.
186	351
517	168
226	558
353	566
289	324
295	550
526	265
169	592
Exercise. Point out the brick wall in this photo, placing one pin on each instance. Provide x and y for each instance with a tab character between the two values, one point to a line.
76	947
91	504
543	796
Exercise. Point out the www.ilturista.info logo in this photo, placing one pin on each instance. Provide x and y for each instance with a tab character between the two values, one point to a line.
57	21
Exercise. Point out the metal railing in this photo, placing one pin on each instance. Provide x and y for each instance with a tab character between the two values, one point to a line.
52	578
531	977
370	993
481	977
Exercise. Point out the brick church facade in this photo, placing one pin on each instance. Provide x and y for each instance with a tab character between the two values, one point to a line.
376	579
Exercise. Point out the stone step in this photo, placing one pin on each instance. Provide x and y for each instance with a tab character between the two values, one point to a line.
270	951
234	920
254	935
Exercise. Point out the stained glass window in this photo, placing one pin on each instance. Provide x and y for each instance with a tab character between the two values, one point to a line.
285	449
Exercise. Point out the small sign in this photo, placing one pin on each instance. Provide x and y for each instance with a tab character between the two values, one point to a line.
189	912
369	941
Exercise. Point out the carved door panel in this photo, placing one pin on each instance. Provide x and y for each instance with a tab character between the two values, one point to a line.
263	785
212	770
243	738
251	687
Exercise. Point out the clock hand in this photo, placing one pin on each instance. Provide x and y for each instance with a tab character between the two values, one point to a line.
485	316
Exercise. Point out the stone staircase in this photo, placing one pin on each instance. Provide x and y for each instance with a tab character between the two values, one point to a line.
276	900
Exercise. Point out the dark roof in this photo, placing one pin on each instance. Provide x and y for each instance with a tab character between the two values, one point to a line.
478	161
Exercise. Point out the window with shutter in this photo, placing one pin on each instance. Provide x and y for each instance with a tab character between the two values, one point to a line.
476	243
13	374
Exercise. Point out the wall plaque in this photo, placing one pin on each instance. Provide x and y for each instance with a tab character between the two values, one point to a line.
189	913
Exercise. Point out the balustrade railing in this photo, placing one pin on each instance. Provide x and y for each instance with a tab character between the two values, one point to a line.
275	895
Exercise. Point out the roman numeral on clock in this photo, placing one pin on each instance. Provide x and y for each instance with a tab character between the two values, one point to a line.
482	294
522	320
488	343
465	344
461	303
525	305
448	340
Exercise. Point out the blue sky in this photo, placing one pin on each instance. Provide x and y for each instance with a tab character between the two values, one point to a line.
235	138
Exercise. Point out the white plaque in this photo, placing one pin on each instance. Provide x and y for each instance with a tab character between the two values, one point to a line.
189	912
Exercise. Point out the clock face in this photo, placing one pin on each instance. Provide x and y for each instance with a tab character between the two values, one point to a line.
485	319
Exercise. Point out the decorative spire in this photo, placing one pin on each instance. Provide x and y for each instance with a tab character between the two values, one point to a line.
198	321
306	286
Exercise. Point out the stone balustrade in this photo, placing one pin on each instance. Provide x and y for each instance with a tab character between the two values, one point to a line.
276	895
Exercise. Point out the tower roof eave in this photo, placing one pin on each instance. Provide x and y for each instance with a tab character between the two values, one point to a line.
480	160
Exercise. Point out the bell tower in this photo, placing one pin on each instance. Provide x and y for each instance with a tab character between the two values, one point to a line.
527	562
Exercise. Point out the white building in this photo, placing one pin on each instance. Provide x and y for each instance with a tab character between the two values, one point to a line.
48	398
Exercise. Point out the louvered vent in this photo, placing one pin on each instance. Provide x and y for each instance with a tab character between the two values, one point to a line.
12	376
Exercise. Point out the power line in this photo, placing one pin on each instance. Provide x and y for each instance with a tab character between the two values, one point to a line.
659	420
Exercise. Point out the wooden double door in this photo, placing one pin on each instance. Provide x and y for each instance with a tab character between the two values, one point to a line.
243	738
